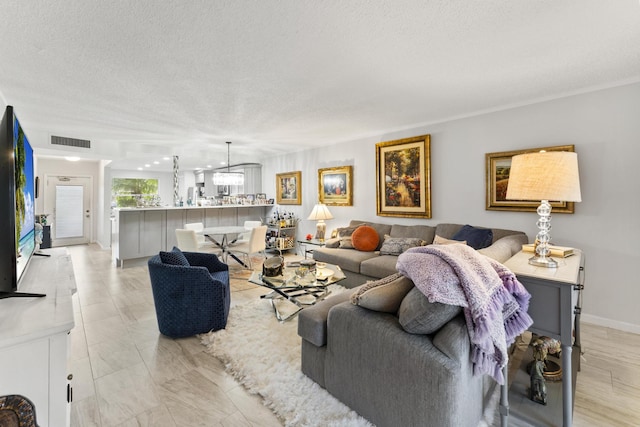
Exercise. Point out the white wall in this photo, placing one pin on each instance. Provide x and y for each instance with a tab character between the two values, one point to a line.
603	125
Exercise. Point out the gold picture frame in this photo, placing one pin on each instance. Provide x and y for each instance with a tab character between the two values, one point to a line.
403	177
498	166
289	188
335	186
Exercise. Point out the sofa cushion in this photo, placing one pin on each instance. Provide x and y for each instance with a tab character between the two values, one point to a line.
397	245
477	238
503	249
365	238
443	241
312	321
379	266
383	295
175	257
419	316
424	232
347	259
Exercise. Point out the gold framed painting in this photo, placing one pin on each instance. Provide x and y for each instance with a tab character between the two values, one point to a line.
498	167
403	177
335	186
289	188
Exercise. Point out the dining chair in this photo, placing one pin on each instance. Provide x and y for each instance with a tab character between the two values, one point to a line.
256	244
248	225
188	241
198	227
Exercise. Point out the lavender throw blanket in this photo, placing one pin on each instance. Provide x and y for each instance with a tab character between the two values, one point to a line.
494	302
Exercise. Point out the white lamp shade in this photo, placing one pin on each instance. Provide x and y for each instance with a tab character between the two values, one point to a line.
546	175
320	212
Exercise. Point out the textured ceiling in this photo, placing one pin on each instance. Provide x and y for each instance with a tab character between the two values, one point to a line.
141	79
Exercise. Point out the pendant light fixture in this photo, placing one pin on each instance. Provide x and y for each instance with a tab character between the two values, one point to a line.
228	177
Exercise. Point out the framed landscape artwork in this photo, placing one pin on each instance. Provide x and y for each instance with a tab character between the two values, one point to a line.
289	188
403	177
498	167
335	187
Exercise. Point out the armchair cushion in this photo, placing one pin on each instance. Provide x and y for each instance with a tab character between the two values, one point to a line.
175	257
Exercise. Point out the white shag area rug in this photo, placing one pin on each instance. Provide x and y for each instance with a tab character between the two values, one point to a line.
263	354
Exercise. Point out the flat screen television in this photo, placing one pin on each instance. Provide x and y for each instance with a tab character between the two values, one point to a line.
17	205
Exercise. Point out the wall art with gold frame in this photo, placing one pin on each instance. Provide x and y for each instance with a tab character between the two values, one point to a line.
289	188
498	166
403	177
335	186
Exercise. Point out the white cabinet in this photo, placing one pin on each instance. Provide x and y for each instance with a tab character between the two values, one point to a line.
139	233
34	338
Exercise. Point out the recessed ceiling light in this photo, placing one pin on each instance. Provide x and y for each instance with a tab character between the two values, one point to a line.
72	158
166	158
223	162
147	165
209	166
155	162
139	169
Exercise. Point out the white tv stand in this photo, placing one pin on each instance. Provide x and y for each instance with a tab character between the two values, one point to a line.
34	338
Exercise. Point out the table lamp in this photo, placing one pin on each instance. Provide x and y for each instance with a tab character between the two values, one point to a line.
545	175
319	213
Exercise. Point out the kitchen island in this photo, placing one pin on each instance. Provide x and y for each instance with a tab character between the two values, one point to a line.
143	232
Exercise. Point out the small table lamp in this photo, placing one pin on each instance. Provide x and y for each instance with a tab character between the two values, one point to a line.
546	175
320	213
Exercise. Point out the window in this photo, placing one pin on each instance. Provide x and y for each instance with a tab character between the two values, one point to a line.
132	192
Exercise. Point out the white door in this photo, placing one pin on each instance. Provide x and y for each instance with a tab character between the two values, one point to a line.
68	200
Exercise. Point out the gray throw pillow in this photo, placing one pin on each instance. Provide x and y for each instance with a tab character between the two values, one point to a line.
397	245
344	234
419	316
383	295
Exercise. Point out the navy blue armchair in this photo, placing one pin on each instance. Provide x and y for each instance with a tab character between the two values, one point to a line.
189	299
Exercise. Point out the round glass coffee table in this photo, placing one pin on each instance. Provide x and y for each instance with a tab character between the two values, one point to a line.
300	289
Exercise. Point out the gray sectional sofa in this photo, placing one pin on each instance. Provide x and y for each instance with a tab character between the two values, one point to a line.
366	358
361	266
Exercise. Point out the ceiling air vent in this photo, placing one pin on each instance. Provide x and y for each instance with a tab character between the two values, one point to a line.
70	142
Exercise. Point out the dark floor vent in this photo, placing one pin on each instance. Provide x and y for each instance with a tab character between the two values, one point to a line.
70	142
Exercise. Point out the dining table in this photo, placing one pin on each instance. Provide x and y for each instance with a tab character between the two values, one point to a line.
219	236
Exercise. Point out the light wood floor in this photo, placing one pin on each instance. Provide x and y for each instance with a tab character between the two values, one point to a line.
126	374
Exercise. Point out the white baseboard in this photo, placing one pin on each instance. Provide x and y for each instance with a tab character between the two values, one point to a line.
608	323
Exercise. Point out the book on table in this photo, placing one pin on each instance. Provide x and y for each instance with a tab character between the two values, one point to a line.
559	251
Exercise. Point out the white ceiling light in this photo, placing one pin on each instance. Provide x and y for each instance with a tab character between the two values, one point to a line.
228	177
72	158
